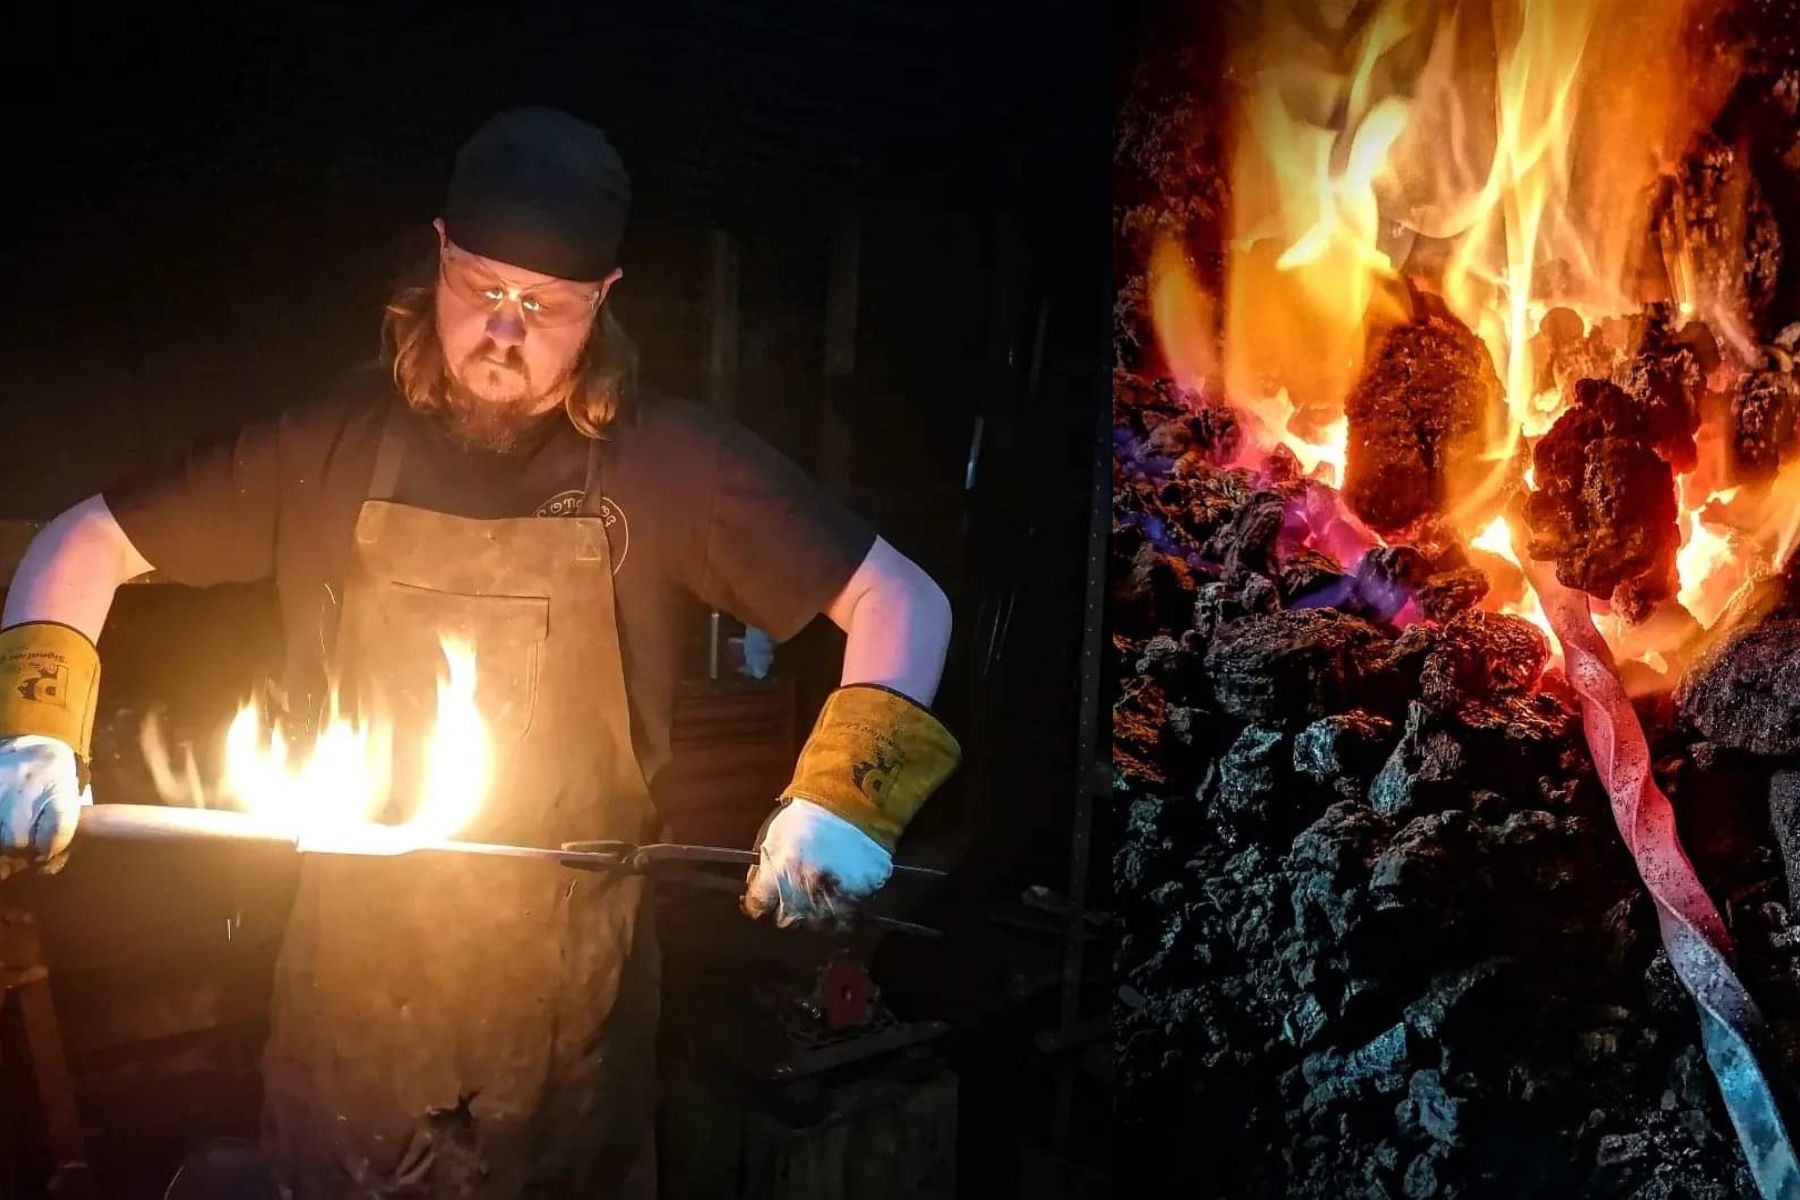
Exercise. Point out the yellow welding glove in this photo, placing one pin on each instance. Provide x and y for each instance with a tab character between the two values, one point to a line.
49	680
874	758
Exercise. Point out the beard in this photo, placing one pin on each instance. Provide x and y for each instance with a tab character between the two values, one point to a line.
493	404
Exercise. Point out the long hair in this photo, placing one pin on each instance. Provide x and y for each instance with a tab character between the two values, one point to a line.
605	376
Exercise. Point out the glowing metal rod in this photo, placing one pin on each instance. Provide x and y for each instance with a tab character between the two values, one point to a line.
160	823
1733	1031
164	823
169	823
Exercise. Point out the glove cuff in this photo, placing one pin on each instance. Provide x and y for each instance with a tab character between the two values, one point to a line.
874	758
49	681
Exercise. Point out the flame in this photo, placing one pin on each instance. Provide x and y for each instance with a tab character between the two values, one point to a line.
1497	539
1506	156
1713	561
339	783
1185	314
328	796
457	754
1321	457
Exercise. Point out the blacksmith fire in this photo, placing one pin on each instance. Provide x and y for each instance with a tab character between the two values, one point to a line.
1456	629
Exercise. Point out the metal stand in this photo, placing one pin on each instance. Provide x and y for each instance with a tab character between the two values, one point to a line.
1093	780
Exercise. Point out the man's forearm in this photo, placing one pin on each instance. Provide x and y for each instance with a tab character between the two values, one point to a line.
897	625
71	570
873	758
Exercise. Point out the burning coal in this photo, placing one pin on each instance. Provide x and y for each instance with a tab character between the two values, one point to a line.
1464	279
1420	296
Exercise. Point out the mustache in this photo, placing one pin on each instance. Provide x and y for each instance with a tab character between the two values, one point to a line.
488	354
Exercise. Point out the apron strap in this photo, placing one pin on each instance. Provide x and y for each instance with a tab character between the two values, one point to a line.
384	481
590	493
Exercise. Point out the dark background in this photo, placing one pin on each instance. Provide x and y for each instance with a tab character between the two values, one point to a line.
208	206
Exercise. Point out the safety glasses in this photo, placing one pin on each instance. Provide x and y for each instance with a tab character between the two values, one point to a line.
546	305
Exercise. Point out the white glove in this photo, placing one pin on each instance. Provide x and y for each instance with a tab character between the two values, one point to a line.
40	801
813	867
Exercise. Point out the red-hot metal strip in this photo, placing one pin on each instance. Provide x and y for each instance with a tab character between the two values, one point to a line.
1732	1029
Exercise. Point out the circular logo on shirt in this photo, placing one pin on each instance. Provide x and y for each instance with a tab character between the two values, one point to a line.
563	504
618	529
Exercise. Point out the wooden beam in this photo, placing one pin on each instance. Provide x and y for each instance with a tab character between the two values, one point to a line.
722	326
842	299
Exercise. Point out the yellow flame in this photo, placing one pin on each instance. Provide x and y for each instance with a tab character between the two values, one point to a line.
456	757
329	795
1183	315
1526	137
340	783
1321	457
1713	561
1497	539
1503	156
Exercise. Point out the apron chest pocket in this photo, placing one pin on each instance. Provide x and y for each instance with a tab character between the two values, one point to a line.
506	632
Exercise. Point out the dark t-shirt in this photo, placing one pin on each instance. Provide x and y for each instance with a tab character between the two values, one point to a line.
701	514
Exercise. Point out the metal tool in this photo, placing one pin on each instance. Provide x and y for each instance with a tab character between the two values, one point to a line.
670	862
673	862
643	859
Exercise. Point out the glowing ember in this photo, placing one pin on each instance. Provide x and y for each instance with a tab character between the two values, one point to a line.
329	796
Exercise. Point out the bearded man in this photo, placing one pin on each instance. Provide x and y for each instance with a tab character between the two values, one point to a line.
451	1026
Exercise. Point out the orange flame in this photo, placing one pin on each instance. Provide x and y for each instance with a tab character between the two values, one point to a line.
1497	539
1504	155
327	798
1714	560
1184	316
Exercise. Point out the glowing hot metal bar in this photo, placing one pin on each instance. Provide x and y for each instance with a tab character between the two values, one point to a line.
167	823
1732	1029
159	823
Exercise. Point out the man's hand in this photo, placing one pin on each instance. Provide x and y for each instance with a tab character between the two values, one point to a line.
873	758
40	802
814	868
876	752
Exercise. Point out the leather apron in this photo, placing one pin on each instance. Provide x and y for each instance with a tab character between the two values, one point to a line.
465	1027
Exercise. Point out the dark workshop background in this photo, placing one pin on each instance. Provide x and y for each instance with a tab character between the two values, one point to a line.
874	231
